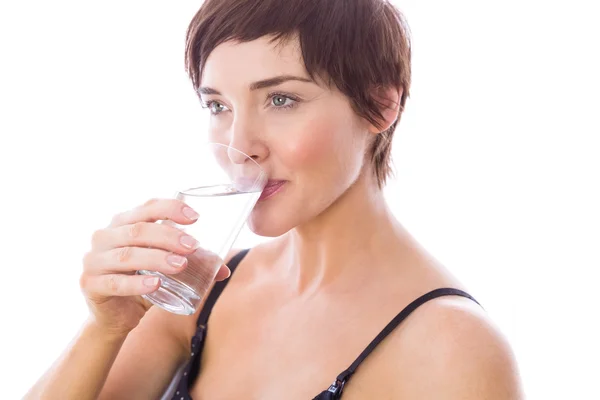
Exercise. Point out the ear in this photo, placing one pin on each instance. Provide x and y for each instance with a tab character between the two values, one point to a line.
389	101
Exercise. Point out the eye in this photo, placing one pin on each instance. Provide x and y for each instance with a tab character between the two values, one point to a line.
279	101
215	107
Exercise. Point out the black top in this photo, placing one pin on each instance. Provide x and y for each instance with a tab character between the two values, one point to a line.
334	392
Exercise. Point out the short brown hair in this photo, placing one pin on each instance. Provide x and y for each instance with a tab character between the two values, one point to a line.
356	45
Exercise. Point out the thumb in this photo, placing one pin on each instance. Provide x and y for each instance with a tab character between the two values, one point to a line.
223	273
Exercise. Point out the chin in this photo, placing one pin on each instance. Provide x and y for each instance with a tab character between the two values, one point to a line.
272	217
266	223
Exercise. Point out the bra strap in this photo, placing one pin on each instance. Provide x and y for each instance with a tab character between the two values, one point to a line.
218	288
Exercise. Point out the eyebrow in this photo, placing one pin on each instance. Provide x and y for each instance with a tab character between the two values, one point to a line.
265	83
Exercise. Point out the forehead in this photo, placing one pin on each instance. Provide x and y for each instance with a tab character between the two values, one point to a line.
243	62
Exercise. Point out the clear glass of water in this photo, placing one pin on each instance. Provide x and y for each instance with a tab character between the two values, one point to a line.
227	184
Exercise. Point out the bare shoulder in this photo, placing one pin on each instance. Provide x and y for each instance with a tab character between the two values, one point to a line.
451	349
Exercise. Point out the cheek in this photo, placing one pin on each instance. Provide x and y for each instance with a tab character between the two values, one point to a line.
315	145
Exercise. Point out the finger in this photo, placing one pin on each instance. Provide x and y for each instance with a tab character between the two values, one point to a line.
121	285
223	273
144	234
131	259
155	210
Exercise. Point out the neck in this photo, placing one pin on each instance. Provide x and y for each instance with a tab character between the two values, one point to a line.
344	243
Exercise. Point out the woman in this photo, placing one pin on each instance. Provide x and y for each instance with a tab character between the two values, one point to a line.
312	90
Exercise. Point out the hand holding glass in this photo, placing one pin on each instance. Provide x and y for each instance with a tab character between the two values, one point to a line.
227	186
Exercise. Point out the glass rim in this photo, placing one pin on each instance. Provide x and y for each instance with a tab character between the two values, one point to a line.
189	192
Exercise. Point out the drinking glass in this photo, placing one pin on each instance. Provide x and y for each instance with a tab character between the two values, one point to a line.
228	184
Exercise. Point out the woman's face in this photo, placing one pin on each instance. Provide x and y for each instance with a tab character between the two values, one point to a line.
263	103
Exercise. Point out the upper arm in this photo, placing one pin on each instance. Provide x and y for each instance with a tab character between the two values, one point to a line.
151	354
457	353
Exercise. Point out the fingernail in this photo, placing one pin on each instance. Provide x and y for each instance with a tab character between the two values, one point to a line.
188	241
176	261
151	282
191	214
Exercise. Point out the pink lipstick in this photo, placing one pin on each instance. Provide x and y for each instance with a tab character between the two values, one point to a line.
272	188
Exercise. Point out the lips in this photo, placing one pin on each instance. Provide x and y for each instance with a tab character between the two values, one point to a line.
273	186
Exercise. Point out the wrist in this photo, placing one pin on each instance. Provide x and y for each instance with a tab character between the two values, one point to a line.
110	335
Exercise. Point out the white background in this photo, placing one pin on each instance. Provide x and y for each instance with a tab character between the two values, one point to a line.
497	160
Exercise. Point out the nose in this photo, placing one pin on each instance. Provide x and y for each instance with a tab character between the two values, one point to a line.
246	137
237	155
